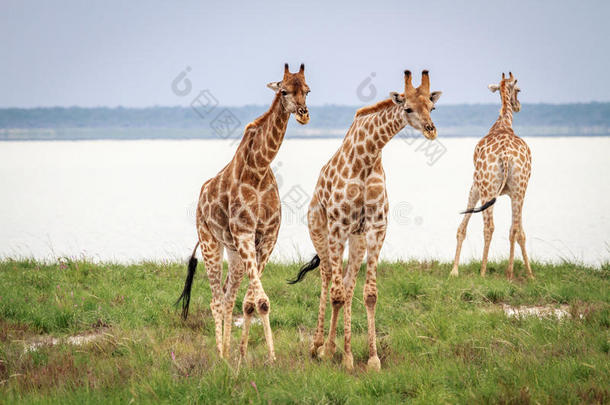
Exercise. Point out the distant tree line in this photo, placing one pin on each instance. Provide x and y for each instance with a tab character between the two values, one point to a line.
331	116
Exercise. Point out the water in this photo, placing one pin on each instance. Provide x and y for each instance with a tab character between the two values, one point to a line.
135	200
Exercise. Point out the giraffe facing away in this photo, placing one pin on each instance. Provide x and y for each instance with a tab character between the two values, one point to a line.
239	211
503	164
350	203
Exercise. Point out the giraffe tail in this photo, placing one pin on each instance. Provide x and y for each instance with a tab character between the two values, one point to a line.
505	163
481	208
315	262
185	297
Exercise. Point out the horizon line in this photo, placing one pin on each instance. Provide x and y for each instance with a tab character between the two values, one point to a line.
266	105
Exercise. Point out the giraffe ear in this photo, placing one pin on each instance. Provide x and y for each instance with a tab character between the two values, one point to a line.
275	86
435	96
398	99
493	87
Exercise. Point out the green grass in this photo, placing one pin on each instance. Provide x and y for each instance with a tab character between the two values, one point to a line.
440	340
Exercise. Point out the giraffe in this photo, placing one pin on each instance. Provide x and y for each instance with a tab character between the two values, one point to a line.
350	204
239	211
503	164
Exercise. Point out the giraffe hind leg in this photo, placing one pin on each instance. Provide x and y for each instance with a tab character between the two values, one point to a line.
318	233
488	231
212	252
336	246
518	233
473	198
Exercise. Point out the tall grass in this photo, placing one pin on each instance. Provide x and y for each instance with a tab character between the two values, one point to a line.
440	339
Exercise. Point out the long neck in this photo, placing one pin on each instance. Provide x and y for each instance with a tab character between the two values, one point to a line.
379	128
506	111
268	133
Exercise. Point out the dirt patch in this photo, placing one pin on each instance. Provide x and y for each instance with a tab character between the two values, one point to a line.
76	340
539	311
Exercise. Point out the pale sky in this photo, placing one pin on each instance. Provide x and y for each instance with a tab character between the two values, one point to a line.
127	53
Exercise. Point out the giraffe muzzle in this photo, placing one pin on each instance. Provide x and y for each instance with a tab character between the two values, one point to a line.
429	131
302	115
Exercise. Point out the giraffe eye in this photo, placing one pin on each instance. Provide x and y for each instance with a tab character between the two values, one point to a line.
408	110
284	92
433	108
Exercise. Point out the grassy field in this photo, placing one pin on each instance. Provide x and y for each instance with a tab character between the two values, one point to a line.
440	340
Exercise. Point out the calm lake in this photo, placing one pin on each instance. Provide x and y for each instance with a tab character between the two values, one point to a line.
135	200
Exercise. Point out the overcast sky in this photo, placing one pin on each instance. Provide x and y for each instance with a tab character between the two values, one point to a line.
111	53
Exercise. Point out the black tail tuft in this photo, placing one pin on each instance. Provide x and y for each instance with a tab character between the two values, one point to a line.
481	208
315	262
188	284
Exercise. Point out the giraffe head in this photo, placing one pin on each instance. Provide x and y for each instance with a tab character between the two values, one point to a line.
509	87
292	91
418	103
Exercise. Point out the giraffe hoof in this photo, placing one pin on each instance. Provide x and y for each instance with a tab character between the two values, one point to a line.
271	359
325	353
373	364
348	361
314	349
454	272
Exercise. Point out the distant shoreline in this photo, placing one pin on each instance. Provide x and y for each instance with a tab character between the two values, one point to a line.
312	138
140	134
217	122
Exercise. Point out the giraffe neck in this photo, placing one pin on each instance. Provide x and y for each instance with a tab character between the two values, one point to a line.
268	130
506	111
380	127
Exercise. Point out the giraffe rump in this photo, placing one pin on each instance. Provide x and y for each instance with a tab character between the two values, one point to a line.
314	263
185	297
505	161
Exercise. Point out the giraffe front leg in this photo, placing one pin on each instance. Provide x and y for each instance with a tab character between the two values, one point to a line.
461	233
264	314
374	241
265	246
217	303
234	277
247	252
248	309
357	249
